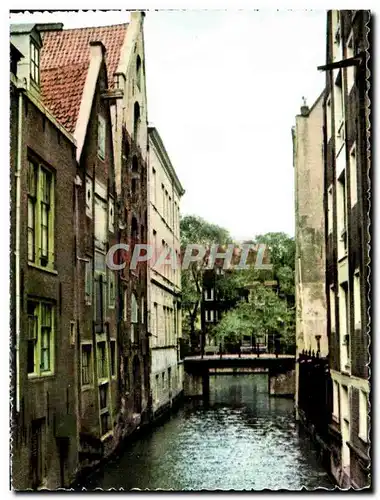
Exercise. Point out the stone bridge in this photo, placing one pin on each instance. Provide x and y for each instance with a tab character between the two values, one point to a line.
280	370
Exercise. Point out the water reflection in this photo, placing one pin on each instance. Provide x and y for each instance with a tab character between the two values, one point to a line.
240	440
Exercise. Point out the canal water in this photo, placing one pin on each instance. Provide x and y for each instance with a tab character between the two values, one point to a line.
241	440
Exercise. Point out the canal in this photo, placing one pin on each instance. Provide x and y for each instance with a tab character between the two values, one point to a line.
240	440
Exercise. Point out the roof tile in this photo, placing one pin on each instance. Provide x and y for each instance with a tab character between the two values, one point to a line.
65	60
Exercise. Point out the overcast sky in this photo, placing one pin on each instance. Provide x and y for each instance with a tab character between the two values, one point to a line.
223	90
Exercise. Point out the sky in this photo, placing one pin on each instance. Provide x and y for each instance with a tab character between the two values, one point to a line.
223	89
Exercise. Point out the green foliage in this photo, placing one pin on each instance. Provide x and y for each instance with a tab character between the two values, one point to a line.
195	230
265	312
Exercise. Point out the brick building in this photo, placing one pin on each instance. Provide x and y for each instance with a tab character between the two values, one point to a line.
346	163
78	186
43	168
103	78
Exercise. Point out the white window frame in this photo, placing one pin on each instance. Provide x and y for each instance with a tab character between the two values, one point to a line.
209	294
209	316
353	176
330	212
363	416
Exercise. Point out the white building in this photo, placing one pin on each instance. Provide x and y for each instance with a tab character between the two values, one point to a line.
164	281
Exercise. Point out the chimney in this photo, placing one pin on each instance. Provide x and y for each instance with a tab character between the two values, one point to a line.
304	108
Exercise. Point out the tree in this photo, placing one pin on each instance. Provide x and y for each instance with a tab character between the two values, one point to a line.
195	230
265	313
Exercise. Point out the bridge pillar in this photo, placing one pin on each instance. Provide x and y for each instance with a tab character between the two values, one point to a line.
282	383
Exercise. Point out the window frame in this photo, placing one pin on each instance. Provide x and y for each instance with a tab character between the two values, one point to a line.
38	372
36	257
34	64
90	366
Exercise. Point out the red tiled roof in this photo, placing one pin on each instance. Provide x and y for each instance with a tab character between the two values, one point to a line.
65	59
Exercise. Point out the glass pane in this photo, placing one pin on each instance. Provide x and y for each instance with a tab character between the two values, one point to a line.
31	356
32	179
45	349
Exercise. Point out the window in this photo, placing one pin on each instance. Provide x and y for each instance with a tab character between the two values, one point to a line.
357	302
135	164
345	409
344	327
209	314
142	309
102	361
87	375
88	281
40	338
125	310
113	357
100	223
163	200
342	214
134	317
330	209
336	401
163	382
45	214
154	186
332	309
40	215
101	137
100	299
363	416
34	63
353	176
32	200
89	197
209	294
111	215
105	421
136	120
350	70
156	389
328	118
138	72
111	289
339	112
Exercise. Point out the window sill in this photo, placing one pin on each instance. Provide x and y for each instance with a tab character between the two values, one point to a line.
103	381
42	268
85	388
36	377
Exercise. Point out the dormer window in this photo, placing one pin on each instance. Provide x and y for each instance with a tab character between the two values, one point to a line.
34	63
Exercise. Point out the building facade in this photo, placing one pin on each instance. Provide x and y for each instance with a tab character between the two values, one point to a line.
346	196
165	325
313	382
79	187
43	168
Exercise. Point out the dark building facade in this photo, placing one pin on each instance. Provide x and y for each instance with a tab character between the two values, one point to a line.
42	169
78	187
346	199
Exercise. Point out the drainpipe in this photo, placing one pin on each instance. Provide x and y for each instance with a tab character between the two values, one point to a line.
17	243
77	184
